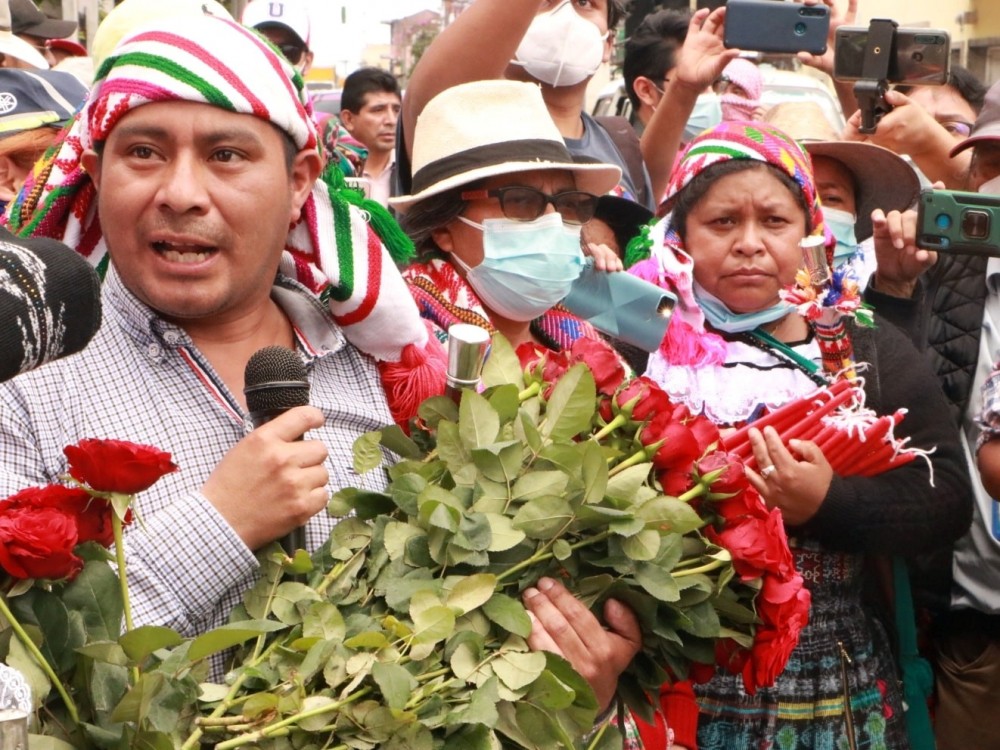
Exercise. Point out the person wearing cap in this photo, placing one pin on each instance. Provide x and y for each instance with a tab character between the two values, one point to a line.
36	28
286	25
40	102
954	311
854	179
14	51
216	234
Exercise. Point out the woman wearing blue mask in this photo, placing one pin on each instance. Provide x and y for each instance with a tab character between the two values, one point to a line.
497	209
741	201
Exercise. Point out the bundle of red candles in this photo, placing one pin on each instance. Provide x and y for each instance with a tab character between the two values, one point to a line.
855	440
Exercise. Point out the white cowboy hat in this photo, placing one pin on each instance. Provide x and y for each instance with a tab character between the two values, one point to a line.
488	128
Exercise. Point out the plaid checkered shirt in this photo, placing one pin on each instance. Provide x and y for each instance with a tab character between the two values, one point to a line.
142	379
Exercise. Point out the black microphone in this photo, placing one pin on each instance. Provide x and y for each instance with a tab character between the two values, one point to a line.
50	303
274	382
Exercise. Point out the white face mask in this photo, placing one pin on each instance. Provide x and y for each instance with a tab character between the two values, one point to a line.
561	48
991	187
841	224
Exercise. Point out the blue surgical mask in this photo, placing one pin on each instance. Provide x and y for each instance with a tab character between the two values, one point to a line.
841	224
724	319
707	113
527	267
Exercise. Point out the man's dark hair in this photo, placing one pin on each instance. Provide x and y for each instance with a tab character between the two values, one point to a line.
652	50
965	83
364	81
616	12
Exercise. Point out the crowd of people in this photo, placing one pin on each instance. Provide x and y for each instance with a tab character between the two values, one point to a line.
188	167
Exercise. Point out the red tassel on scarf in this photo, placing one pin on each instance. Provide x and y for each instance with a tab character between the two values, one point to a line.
419	374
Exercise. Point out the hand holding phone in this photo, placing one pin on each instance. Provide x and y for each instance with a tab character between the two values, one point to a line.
920	56
777	27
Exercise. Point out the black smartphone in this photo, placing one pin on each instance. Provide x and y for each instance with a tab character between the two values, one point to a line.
952	221
922	56
776	26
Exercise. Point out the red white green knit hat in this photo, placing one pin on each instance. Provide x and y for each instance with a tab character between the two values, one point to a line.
335	248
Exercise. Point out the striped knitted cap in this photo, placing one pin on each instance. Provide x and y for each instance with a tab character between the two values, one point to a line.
335	248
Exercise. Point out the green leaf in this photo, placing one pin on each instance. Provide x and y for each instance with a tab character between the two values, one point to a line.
19	658
211	692
231	634
396	535
643	546
624	485
544	517
45	742
502	366
477	736
509	614
323	717
290	600
518	669
571	405
668	514
474	533
504	399
400	443
503	535
550	692
138	701
472	592
657	582
433	624
478	422
368	452
96	595
595	473
144	640
450	447
561	549
405	491
108	652
438	409
526	430
535	484
482	707
499	462
396	684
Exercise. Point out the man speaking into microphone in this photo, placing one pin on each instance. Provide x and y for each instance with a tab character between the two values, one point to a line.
194	168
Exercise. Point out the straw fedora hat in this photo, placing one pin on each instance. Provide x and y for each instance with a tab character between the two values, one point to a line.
488	128
881	178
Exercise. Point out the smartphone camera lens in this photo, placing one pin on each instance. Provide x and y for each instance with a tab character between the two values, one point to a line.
943	222
800	28
976	224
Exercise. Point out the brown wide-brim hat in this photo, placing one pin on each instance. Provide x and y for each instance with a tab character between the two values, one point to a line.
987	127
488	128
881	178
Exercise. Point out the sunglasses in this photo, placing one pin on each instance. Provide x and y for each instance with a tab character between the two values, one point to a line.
527	203
292	52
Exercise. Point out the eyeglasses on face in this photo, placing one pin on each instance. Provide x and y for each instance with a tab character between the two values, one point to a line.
960	128
293	52
527	203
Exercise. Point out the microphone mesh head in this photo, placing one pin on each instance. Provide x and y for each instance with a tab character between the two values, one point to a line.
275	378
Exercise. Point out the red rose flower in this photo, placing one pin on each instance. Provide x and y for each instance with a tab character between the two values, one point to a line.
38	542
675	482
602	360
649	399
117	465
679	449
777	637
732	478
93	515
758	545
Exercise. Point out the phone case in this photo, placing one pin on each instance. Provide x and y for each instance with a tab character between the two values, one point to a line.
775	26
952	221
622	305
923	56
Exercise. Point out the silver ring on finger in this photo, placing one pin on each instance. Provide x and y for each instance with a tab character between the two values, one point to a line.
767	471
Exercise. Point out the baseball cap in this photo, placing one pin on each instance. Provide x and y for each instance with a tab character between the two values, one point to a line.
987	127
292	15
31	99
15	46
26	18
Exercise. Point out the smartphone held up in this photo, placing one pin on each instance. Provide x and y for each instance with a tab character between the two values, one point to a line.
952	221
776	27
